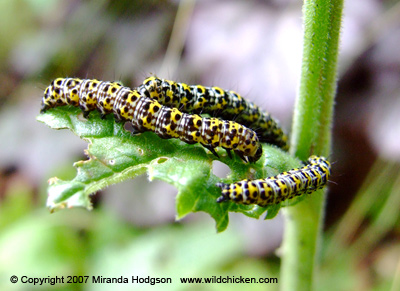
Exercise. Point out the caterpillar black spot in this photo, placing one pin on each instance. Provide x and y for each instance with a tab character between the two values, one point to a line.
147	114
216	102
283	186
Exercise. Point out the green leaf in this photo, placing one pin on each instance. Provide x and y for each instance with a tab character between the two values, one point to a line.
114	155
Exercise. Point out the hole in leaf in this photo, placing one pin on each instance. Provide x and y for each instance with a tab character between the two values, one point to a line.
220	169
161	160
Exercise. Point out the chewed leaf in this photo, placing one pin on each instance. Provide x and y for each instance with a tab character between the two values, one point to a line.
114	155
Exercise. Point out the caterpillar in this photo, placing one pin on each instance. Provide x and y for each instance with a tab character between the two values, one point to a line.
147	114
283	186
216	102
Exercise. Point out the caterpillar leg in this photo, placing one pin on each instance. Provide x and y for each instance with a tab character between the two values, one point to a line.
44	108
85	112
229	152
211	149
241	155
134	131
250	159
118	119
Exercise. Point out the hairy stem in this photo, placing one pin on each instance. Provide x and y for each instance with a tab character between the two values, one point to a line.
311	134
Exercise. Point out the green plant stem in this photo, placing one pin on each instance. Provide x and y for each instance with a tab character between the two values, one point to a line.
311	133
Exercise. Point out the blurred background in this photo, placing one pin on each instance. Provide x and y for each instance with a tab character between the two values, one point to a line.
252	47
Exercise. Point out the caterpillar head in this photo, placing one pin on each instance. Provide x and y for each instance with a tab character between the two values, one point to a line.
62	92
322	162
257	155
53	95
317	160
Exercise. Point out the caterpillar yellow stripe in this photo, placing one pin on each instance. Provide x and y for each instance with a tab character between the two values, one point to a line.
283	186
147	114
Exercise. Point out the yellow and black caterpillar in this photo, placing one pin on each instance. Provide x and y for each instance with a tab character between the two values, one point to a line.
146	114
283	186
215	101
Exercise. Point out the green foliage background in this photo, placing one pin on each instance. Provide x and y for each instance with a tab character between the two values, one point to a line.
42	40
